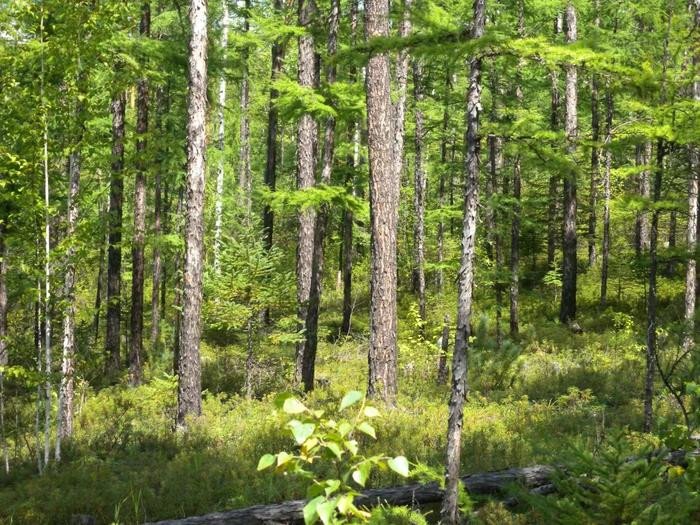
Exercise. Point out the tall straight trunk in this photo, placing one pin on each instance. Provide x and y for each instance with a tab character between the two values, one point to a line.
606	197
643	158
309	358
99	283
449	512
401	86
651	293
221	141
177	285
595	171
443	369
445	171
139	236
419	189
189	399
114	250
4	357
567	312
48	368
693	223
517	205
245	181
158	287
306	167
271	141
64	415
552	207
38	345
672	235
384	200
348	219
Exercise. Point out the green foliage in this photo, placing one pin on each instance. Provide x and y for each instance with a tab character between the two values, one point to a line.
336	441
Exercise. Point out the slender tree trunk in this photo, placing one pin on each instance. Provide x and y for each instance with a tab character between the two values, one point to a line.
606	197
306	167
384	199
419	190
139	238
449	512
177	286
245	181
693	223
401	86
595	171
445	171
189	402
443	369
567	312
220	144
99	285
38	334
651	293
672	235
114	250
4	357
348	219
309	357
552	224
64	416
643	158
271	143
156	309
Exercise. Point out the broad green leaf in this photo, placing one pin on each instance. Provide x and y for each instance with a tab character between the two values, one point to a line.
350	399
293	406
371	412
332	485
266	461
335	448
310	512
325	511
366	428
301	431
399	464
361	474
283	457
344	428
345	504
352	446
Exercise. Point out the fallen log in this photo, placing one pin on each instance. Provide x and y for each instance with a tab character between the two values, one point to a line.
483	484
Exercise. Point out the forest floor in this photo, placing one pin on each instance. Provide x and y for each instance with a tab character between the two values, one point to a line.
529	402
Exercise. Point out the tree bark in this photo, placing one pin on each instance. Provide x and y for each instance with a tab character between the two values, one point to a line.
606	197
651	293
449	513
221	142
643	158
139	236
4	356
114	250
552	206
443	370
567	312
595	171
245	181
306	167
419	189
189	369
309	361
399	107
383	195
445	171
64	415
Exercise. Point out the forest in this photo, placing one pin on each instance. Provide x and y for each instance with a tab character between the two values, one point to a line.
349	261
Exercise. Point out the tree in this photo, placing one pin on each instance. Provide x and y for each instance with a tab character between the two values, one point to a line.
245	180
139	240
221	137
419	190
189	400
383	196
567	311
449	515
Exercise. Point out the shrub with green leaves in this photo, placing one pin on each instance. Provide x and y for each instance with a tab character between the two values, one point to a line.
333	439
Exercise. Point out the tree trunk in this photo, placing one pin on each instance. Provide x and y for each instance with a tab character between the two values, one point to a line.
552	227
443	369
158	308
445	171
4	357
48	364
189	402
449	513
100	285
651	293
221	141
114	250
139	238
384	199
419	190
309	360
245	181
306	167
399	108
64	416
595	171
271	143
606	197
643	158
672	230
567	312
